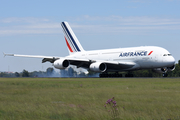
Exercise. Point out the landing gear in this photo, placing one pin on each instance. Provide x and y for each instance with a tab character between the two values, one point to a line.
129	75
105	75
113	75
165	74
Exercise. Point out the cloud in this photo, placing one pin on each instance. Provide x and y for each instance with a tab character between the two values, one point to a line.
137	1
125	25
17	26
23	20
144	20
89	25
16	32
31	29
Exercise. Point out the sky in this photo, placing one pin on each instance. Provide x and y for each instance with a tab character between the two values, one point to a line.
33	27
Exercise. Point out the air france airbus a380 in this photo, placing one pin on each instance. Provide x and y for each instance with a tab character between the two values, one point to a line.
109	60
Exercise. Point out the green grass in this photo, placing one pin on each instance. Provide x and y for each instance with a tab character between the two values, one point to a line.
84	98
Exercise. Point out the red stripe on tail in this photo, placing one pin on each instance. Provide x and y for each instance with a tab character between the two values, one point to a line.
68	45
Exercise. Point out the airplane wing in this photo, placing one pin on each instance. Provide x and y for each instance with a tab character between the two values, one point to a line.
84	63
111	65
51	59
44	58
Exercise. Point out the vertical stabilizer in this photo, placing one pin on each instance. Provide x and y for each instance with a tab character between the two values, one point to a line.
71	40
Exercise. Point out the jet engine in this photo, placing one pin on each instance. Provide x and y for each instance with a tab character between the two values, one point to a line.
164	70
98	67
171	68
61	64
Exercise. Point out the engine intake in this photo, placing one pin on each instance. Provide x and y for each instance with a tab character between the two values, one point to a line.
164	70
98	67
171	68
61	64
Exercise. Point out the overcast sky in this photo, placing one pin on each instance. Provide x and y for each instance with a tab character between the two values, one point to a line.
33	27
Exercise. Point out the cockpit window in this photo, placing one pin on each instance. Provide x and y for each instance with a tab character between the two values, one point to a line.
167	55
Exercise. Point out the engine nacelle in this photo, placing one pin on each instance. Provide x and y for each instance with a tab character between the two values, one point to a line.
171	68
164	70
61	64
98	67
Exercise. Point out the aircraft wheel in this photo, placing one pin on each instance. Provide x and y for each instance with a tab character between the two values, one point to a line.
129	75
119	75
109	75
126	75
116	75
100	75
165	74
104	75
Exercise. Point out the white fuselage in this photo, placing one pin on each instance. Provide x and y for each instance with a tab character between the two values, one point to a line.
146	57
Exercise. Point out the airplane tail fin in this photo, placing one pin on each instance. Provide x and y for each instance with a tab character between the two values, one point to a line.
71	40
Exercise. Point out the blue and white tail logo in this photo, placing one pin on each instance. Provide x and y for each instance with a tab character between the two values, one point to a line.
71	39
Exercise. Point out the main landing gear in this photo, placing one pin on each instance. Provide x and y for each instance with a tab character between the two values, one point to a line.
129	75
105	75
114	75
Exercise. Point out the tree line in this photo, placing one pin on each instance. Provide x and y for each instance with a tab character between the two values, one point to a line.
70	72
50	72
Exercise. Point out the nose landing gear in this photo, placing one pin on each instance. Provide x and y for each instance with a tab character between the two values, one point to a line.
165	74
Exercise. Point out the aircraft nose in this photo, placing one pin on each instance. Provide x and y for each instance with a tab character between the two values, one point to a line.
171	60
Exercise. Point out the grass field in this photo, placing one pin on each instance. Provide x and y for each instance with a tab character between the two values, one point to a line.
84	98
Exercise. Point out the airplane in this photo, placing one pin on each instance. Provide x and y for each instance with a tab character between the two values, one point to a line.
107	61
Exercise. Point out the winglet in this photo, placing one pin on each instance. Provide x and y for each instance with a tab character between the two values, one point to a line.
7	54
4	54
